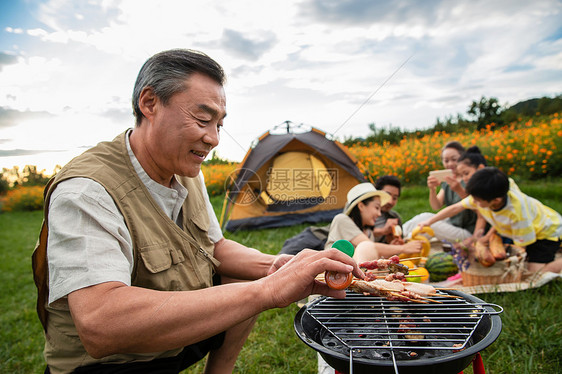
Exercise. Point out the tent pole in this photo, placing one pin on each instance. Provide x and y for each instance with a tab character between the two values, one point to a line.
223	213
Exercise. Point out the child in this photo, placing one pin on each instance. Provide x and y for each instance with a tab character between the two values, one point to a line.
471	161
514	215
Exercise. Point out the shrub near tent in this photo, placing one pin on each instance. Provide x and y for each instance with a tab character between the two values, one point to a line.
292	175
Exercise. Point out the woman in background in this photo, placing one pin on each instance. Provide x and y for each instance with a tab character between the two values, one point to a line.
460	226
357	221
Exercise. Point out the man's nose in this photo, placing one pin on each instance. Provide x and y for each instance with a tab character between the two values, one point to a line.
212	136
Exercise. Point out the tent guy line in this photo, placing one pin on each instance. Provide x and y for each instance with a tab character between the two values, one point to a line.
374	93
332	134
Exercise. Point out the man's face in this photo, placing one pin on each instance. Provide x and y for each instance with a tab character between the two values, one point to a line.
186	129
394	193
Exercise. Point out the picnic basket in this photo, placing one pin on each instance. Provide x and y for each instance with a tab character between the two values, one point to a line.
509	270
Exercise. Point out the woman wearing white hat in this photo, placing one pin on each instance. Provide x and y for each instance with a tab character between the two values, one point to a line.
356	224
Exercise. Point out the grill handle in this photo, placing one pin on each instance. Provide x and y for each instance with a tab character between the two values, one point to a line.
496	309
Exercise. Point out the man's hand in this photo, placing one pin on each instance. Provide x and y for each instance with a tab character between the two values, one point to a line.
279	261
389	225
295	280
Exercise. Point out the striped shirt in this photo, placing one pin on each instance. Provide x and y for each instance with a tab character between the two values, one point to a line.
523	219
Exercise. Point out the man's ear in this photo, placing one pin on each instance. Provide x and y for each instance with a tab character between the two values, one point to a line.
147	103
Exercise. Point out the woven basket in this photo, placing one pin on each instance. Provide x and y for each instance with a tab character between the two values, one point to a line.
507	271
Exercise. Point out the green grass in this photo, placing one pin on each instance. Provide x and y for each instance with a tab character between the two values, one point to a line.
530	342
21	337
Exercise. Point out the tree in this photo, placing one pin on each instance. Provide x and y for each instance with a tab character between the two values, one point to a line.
32	177
4	184
486	112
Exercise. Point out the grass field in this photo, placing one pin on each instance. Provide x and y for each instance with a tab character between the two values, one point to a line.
530	342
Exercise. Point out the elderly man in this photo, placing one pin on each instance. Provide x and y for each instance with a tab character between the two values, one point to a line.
130	256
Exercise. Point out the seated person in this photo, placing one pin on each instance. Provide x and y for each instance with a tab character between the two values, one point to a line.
514	215
357	221
385	223
314	237
457	227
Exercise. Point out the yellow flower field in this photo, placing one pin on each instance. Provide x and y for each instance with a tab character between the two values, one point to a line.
529	150
216	176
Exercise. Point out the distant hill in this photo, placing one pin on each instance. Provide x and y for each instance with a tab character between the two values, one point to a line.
543	105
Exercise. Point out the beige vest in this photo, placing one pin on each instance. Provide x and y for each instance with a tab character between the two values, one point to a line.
166	257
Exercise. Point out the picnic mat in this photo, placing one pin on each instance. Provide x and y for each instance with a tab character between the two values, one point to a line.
534	280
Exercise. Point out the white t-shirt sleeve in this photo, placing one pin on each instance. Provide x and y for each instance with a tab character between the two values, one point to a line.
88	240
215	232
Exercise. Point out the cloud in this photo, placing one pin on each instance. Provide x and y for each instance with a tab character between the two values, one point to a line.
12	117
7	59
23	152
310	61
119	115
77	15
245	47
354	12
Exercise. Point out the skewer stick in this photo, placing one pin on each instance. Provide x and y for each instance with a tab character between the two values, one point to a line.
406	276
397	294
441	295
433	301
387	271
411	258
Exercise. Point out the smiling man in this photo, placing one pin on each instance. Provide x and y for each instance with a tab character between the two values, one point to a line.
132	270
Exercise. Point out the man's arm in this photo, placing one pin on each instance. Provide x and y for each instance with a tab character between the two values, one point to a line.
241	262
114	318
387	228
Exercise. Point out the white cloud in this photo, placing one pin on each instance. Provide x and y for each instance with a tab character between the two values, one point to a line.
311	61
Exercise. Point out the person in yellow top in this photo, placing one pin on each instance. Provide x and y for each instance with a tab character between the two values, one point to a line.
514	215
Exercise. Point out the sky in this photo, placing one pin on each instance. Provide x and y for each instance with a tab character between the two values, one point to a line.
67	68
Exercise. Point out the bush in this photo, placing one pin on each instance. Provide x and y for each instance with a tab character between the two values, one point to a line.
216	177
23	198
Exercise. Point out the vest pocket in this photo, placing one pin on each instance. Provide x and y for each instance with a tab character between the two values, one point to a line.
158	257
201	221
163	267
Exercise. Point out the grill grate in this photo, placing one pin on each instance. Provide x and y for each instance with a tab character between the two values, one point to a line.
374	328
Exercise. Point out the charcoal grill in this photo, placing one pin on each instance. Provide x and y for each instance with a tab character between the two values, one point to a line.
367	334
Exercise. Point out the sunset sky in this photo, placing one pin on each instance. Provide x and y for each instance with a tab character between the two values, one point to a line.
67	68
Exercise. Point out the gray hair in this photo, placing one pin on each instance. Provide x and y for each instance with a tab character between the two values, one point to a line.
166	73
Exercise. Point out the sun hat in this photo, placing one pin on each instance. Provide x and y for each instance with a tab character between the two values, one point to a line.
361	192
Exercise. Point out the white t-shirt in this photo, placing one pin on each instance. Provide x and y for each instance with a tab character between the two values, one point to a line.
343	227
88	240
